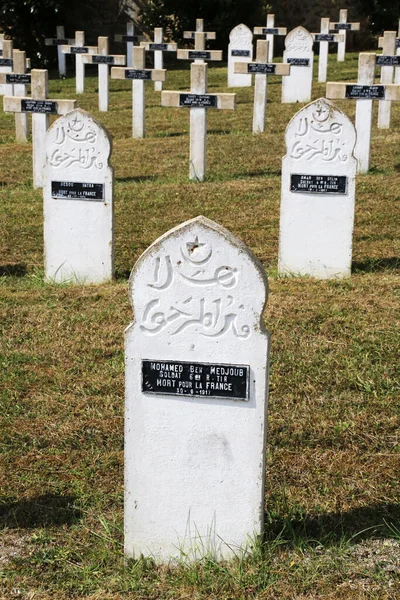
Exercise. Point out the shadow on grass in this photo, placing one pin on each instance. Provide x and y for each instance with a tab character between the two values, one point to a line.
40	511
171	134
332	528
260	173
138	179
374	265
17	270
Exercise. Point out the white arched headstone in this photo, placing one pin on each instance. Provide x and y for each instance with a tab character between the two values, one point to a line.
78	201
196	360
240	49
298	53
318	193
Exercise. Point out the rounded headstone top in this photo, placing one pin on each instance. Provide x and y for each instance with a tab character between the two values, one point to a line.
299	39
241	35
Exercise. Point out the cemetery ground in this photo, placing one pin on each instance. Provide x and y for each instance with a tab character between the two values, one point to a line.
333	463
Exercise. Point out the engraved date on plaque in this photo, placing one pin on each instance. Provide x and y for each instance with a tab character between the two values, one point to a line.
195	379
73	190
318	184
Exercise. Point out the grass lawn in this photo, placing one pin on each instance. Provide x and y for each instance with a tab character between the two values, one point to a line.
333	464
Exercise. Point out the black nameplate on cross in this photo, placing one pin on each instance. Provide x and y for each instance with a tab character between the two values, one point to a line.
318	184
397	44
270	31
198	100
194	54
129	38
74	190
298	62
265	69
6	62
154	46
79	50
18	78
98	59
59	42
240	52
195	379
39	106
382	60
341	25
369	92
137	74
324	37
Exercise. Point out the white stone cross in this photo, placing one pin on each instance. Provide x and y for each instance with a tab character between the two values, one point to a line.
78	201
59	41
270	31
6	66
318	193
198	100
191	35
323	38
343	26
261	69
79	50
397	46
18	79
387	61
129	39
364	91
158	47
138	74
103	59
40	107
196	358
199	54
299	55
240	50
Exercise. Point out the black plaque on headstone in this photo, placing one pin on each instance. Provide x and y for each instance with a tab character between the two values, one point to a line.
6	62
59	42
382	60
240	52
98	59
39	106
198	100
195	379
154	46
18	78
369	92
137	74
266	69
298	62
72	190
194	54
79	50
341	25
318	184
129	38
324	37
270	31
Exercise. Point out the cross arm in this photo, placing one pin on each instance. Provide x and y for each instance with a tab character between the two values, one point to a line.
270	30
190	35
348	26
262	68
131	73
329	37
15	78
72	49
199	54
189	100
389	91
111	59
59	41
16	104
153	46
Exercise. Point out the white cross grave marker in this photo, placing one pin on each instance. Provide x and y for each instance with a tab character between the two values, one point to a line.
138	74
158	47
299	55
343	26
78	201
364	92
6	66
198	100
323	38
102	59
397	47
130	39
318	193
59	41
18	79
40	107
191	35
79	50
261	69
196	389
387	60
270	31
240	50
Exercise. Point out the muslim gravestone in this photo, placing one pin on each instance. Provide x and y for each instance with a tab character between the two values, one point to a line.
240	50
299	55
318	193
78	201
196	359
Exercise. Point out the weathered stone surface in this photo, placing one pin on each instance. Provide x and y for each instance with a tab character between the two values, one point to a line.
298	53
240	49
